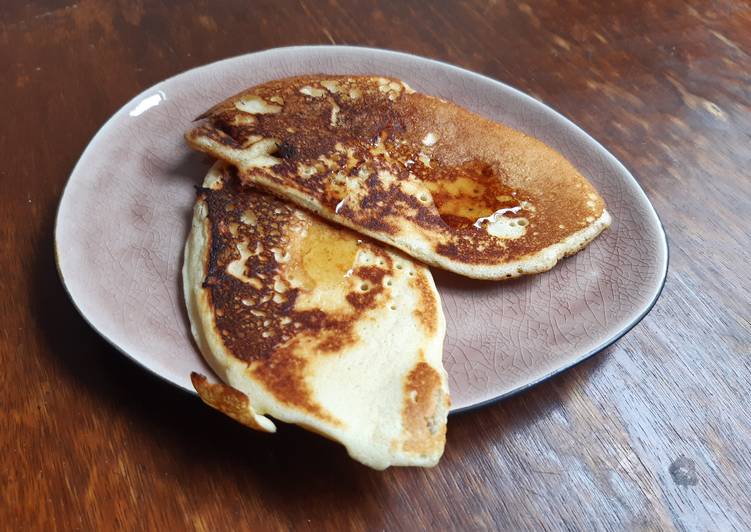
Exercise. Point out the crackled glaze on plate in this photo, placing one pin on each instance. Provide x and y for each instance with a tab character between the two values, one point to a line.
125	213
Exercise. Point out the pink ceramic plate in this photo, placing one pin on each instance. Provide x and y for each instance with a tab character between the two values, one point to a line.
125	213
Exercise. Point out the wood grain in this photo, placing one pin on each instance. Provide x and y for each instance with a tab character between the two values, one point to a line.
651	434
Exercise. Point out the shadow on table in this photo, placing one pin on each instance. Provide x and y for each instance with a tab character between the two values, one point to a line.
292	465
202	442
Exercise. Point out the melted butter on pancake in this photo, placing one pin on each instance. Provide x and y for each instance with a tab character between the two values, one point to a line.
471	195
322	268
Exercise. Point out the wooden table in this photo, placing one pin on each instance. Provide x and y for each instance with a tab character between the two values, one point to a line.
653	433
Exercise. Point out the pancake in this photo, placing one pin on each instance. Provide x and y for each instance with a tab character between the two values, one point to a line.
315	325
447	186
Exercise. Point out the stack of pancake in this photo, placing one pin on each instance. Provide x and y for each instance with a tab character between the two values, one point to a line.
305	274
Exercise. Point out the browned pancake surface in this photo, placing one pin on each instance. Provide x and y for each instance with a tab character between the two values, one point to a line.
314	324
256	310
370	153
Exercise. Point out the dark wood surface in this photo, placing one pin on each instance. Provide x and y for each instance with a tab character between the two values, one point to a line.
654	433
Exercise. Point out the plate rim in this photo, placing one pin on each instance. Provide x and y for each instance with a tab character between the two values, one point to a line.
662	240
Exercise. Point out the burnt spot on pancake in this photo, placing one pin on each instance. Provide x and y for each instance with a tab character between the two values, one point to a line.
425	408
285	288
286	151
376	156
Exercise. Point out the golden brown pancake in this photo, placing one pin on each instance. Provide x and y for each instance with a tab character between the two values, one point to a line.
445	185
315	325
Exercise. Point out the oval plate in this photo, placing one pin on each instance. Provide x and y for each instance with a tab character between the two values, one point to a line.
126	209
